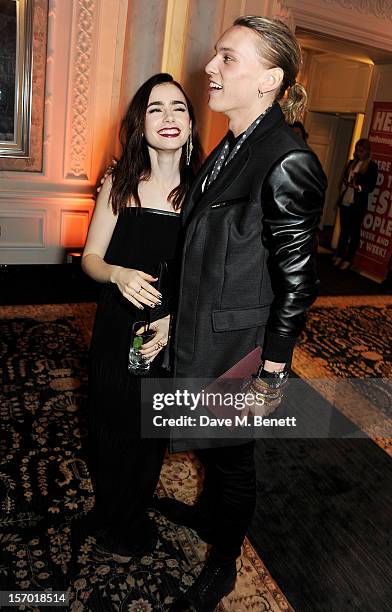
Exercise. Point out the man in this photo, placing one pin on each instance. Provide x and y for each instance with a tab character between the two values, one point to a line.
248	273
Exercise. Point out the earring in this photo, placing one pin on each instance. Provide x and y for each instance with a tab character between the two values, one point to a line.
260	94
189	149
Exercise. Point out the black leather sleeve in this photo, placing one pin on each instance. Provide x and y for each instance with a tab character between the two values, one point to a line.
292	201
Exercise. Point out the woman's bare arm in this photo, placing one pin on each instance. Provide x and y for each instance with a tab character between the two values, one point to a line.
133	284
100	232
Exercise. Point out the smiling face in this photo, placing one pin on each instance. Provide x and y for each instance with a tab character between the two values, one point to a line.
167	123
237	73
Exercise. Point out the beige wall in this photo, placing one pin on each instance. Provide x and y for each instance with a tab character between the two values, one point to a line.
83	77
338	85
99	52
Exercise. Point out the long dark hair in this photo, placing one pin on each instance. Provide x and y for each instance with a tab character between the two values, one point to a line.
134	164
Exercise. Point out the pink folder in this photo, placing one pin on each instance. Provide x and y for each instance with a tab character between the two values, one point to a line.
244	368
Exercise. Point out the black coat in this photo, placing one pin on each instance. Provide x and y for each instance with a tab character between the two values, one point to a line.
248	263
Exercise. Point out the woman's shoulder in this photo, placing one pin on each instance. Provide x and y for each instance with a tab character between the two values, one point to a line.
106	179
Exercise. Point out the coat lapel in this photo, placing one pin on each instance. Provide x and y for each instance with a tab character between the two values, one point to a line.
224	180
197	200
195	192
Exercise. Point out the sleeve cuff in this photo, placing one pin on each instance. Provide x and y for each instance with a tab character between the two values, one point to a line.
278	348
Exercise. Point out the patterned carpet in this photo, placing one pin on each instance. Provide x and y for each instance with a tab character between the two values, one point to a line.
345	354
44	483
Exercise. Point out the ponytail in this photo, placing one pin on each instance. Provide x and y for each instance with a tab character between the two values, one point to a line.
294	104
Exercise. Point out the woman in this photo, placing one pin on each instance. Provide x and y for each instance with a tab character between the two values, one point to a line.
359	180
248	268
133	232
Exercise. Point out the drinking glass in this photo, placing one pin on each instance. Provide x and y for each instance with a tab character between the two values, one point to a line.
137	364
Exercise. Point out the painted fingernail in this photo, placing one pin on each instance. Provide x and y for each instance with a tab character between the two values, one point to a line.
159	303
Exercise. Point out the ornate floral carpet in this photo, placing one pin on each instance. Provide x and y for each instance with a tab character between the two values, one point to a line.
44	483
345	353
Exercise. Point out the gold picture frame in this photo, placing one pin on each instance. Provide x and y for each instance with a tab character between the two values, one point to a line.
22	149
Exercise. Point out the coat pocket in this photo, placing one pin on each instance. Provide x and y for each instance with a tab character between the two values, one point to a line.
239	318
242	200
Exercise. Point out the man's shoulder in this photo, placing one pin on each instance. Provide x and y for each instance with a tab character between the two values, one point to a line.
281	139
279	144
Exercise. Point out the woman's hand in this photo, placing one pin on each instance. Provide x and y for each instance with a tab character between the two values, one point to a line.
151	349
135	286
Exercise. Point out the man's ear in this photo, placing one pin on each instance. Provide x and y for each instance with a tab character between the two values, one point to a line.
272	79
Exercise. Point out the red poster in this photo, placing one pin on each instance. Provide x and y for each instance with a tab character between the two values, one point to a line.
375	249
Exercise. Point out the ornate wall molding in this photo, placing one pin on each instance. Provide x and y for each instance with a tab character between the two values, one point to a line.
77	153
381	9
84	62
280	10
360	21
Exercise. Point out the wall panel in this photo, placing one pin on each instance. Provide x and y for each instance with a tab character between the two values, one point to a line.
338	85
73	227
22	229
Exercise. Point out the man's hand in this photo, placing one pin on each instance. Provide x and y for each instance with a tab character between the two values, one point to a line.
266	399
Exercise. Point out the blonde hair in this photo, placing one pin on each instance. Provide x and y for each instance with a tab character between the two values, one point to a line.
281	49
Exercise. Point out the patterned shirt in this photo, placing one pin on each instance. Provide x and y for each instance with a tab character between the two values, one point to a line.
228	152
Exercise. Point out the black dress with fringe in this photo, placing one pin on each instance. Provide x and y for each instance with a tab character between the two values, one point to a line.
124	467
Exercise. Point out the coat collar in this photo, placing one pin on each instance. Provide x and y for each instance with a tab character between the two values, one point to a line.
197	200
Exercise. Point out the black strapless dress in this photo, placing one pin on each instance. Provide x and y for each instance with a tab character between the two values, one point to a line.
125	468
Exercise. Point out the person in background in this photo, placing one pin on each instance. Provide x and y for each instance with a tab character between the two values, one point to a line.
134	232
299	128
248	270
359	180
